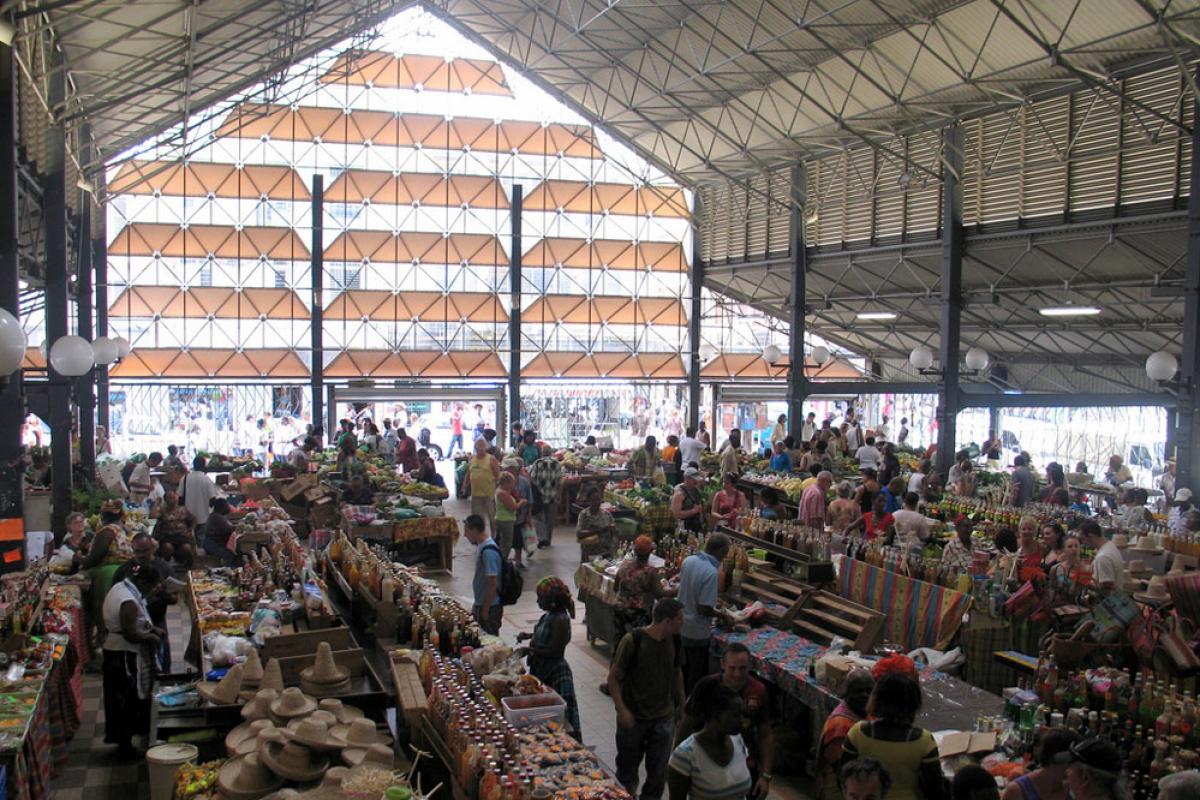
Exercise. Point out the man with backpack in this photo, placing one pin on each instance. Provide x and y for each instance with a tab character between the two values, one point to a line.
647	706
496	584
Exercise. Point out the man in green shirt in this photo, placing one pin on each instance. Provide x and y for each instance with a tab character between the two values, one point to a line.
644	460
647	706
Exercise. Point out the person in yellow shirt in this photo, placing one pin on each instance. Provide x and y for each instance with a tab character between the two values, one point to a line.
668	453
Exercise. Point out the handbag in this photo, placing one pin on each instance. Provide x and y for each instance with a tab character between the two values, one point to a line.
1113	616
1143	635
1177	648
1026	602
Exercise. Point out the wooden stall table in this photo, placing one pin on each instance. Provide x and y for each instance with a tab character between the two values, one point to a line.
441	532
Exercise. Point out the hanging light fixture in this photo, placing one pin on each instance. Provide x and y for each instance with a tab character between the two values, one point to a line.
72	356
771	353
921	357
123	347
1161	366
707	352
12	344
104	348
820	354
977	359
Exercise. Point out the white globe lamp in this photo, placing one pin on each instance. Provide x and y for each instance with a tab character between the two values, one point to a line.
12	343
71	356
977	359
105	350
707	352
771	353
820	354
921	357
44	347
123	346
1161	366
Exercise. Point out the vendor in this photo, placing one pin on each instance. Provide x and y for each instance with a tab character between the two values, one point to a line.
1067	575
852	709
595	528
1030	551
218	530
157	600
842	509
175	530
958	553
644	461
300	456
589	449
38	475
427	470
729	503
1108	568
638	586
140	482
874	524
548	644
128	657
110	548
1056	493
686	504
772	506
781	461
358	492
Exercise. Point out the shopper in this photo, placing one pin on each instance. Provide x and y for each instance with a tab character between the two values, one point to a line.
690	449
406	451
1179	786
958	553
687	506
1179	510
843	511
809	428
852	709
485	586
711	763
867	489
756	713
912	529
889	467
1054	540
479	483
198	489
772	505
1056	493
1094	771
388	442
128	671
644	460
1022	482
868	455
357	491
973	782
646	706
916	481
217	531
546	478
698	591
508	504
529	451
140	482
728	504
812	511
456	431
729	453
876	523
908	752
1047	782
902	437
1108	567
548	644
302	455
865	779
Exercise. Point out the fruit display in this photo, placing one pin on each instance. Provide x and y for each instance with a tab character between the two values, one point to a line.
196	781
641	500
237	465
424	490
788	485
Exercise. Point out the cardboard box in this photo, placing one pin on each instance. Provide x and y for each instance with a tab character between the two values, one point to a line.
962	743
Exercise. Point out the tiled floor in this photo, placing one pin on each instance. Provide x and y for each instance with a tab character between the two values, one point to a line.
91	773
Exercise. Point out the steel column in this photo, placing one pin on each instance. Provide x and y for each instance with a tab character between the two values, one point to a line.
54	204
1187	440
1169	443
951	300
696	282
514	314
994	420
85	386
797	380
99	234
12	403
317	316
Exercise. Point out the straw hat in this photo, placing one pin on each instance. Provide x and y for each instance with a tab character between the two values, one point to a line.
259	706
255	744
1138	568
313	734
246	778
292	703
321	716
252	669
334	776
379	754
294	762
361	733
325	677
247	730
1156	592
1121	540
345	714
1145	544
272	676
225	691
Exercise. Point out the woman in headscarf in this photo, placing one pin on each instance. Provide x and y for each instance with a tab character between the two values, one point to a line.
852	709
110	549
129	665
549	641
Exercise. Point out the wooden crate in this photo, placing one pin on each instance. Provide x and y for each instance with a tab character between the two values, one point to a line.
821	616
768	586
411	701
305	643
297	486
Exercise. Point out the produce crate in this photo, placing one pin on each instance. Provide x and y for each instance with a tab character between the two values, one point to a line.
256	489
522	711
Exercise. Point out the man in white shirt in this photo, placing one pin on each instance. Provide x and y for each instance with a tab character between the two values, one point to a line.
1179	510
853	437
1167	484
140	482
903	437
690	449
197	490
881	430
809	429
916	481
779	431
912	529
868	454
1108	568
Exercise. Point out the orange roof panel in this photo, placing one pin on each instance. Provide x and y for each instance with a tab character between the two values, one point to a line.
386	247
615	198
199	241
416	363
754	366
143	362
196	179
628	366
198	302
356	185
407	71
578	310
611	253
381	304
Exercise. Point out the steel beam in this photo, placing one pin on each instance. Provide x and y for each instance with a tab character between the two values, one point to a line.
1187	441
695	284
12	402
99	238
823	388
1067	400
951	305
317	279
514	315
54	205
797	381
85	385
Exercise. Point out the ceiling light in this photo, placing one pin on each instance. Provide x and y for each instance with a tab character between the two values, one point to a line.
1069	311
877	315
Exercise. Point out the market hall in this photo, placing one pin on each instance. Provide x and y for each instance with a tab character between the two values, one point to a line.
599	400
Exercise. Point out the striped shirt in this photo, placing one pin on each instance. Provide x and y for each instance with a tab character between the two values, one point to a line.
710	780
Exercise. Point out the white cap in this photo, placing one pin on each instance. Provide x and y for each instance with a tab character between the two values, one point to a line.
1183	495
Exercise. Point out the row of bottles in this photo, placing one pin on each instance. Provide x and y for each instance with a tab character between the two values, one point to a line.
790	534
927	567
19	599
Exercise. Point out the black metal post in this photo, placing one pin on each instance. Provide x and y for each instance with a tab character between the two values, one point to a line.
696	283
797	380
12	404
1169	443
995	420
317	274
99	234
951	301
1187	439
514	316
54	202
85	386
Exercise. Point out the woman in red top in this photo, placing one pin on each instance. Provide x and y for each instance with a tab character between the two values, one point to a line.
876	522
1030	551
728	503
